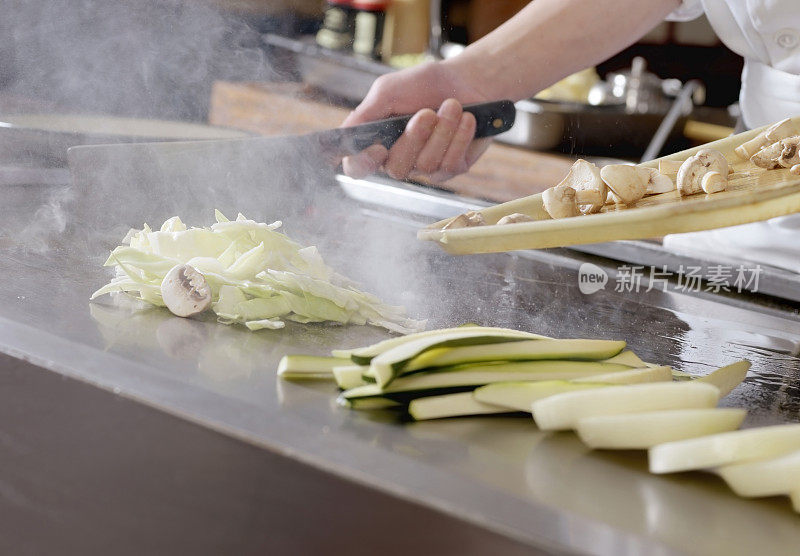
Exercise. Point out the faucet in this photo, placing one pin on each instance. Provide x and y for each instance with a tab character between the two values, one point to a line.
435	36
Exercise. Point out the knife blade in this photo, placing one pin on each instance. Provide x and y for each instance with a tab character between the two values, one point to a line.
263	176
492	118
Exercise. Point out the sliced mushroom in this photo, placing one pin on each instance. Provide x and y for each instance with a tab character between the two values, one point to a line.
776	132
613	199
790	155
514	218
467	220
625	181
559	202
714	182
590	191
669	166
655	181
795	170
690	175
185	291
714	160
781	154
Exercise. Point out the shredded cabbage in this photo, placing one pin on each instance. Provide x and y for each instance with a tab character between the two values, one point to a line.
258	277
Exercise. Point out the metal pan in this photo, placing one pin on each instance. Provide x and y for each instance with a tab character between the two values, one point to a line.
583	128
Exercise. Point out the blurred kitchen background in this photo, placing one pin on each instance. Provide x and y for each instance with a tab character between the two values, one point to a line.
279	66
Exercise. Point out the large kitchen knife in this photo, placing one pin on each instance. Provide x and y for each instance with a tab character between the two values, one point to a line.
492	118
264	176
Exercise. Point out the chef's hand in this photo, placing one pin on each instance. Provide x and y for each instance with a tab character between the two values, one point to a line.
438	140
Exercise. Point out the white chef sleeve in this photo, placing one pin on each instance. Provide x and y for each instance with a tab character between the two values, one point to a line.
687	11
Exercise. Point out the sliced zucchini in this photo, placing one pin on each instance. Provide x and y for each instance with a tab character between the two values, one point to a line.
472	348
640	431
369	403
451	405
525	350
728	377
310	367
770	477
520	395
628	358
363	355
478	375
562	411
724	448
632	376
349	376
385	366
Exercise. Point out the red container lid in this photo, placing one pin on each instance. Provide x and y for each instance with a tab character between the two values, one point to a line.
370	5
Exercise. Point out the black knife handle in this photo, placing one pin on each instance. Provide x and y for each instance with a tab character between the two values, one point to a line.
492	118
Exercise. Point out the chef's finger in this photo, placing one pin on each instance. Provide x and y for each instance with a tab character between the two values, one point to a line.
403	154
432	154
455	159
366	162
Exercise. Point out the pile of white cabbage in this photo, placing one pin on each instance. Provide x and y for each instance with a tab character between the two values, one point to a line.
258	277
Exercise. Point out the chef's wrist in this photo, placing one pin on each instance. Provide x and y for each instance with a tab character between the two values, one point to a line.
465	75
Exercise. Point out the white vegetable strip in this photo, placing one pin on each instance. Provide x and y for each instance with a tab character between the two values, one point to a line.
349	376
639	431
562	411
258	277
632	376
728	377
520	395
450	405
725	448
795	495
764	478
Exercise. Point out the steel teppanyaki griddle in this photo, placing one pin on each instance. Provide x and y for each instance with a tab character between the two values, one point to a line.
753	194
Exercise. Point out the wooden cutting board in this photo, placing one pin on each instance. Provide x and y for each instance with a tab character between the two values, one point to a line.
753	194
501	174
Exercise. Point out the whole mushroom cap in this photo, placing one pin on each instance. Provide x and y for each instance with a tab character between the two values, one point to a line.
185	291
690	175
714	160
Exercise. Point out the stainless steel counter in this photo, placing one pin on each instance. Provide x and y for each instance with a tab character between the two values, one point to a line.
545	490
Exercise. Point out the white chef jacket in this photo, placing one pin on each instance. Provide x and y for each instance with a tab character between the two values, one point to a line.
766	33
